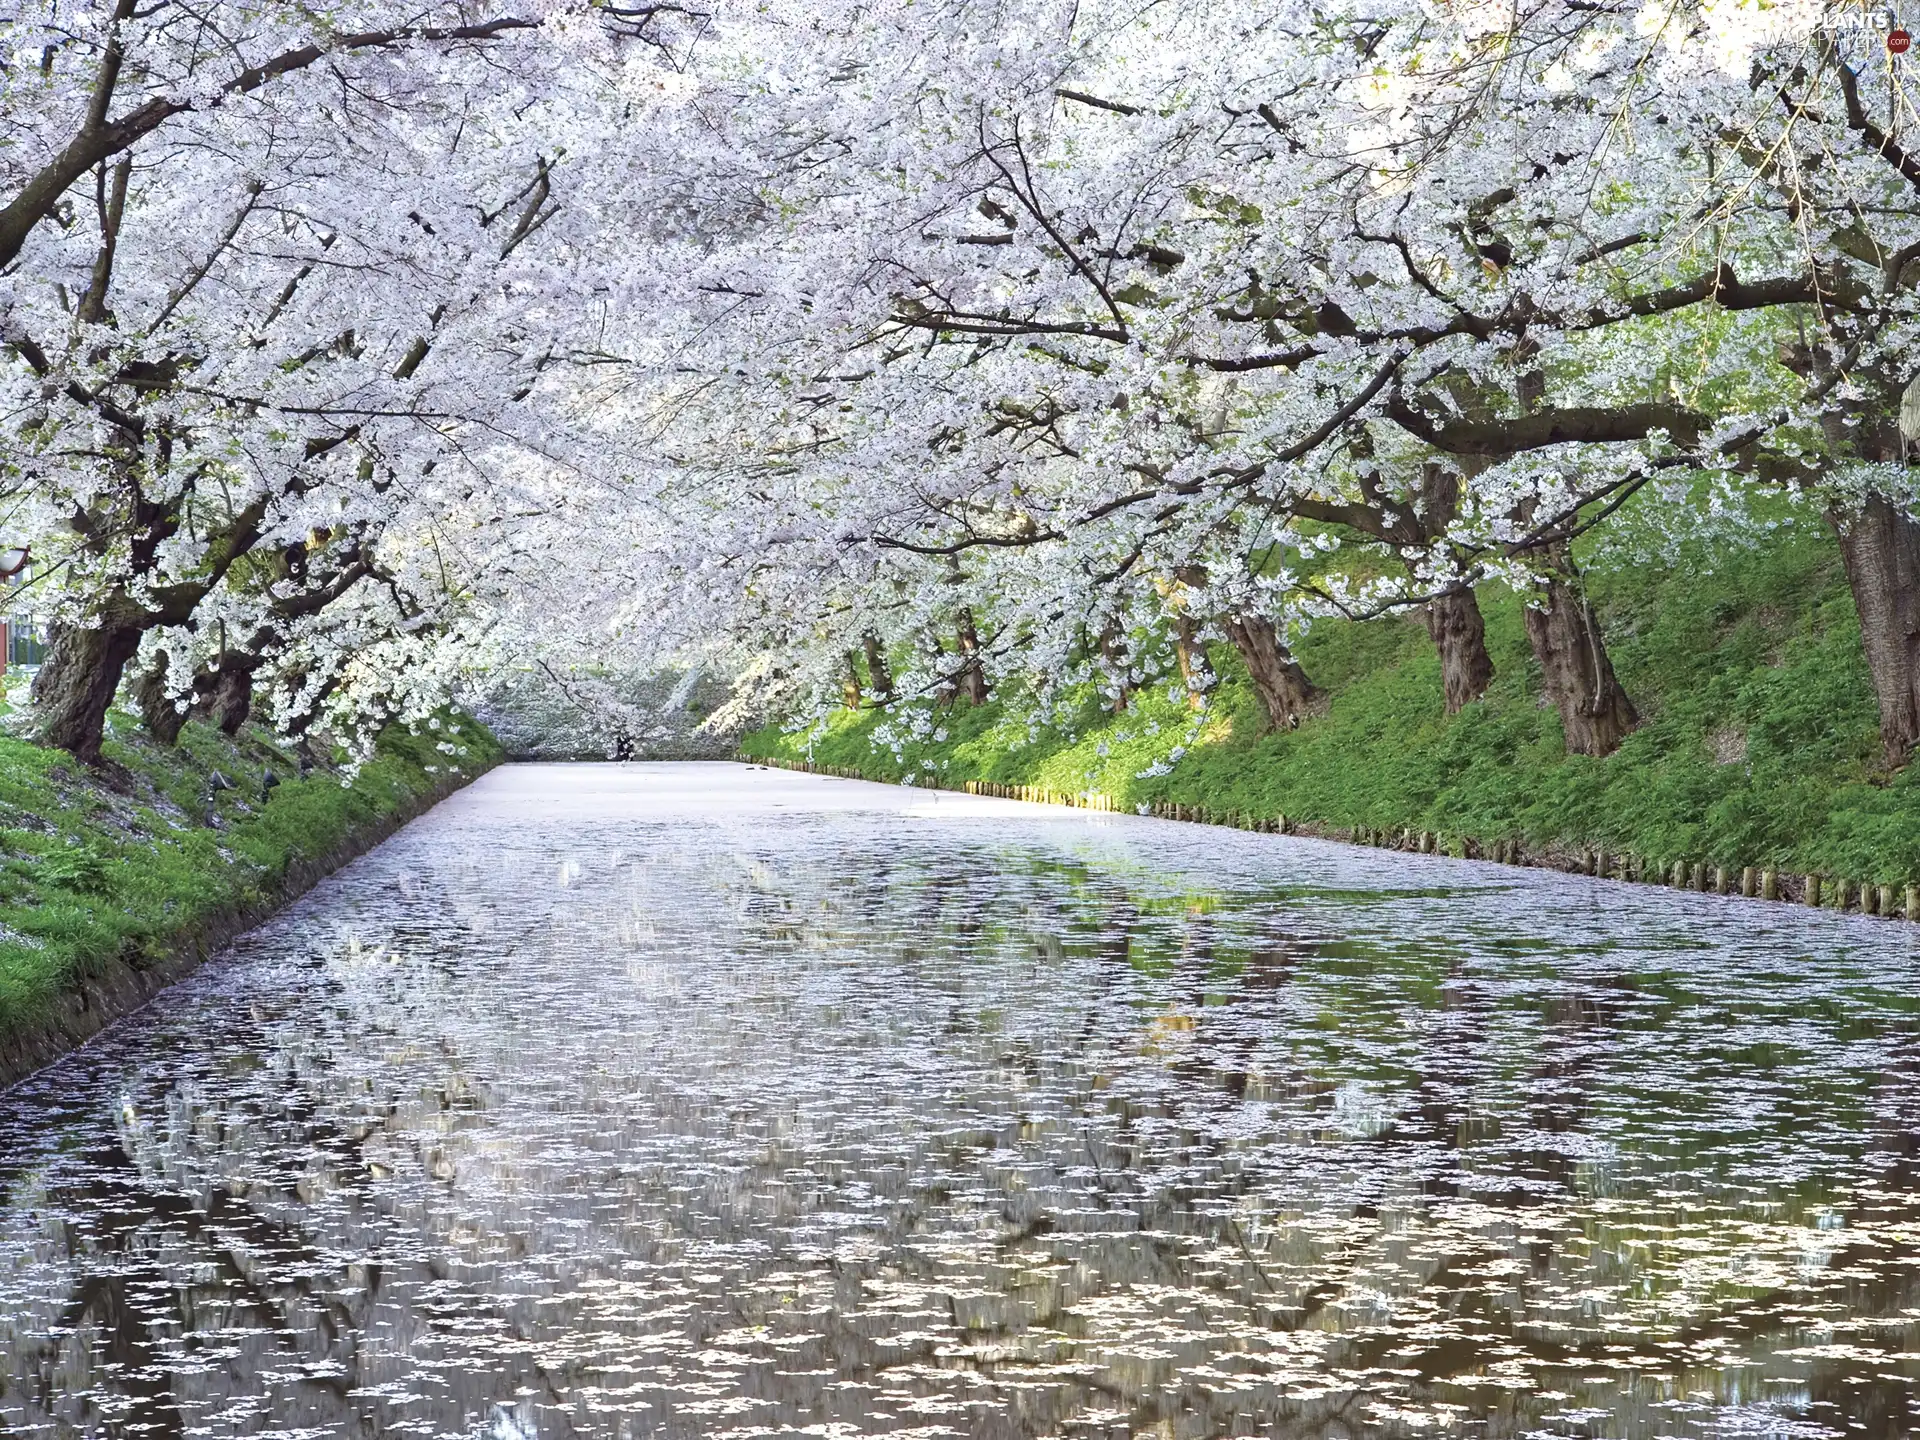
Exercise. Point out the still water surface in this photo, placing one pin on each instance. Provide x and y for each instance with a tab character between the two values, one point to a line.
657	1100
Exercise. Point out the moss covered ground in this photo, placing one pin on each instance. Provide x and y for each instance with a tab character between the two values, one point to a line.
1741	650
93	870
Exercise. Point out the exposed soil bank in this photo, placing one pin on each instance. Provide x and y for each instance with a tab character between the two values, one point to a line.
114	887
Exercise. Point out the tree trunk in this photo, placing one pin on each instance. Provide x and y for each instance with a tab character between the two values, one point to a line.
160	711
232	698
972	679
298	725
76	685
1880	548
850	687
878	675
1283	687
1594	710
1192	655
1460	635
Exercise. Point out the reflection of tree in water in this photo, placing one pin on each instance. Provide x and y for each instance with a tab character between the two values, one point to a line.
764	1135
192	1299
1482	1324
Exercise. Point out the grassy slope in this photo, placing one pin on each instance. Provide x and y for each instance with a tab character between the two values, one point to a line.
1758	746
88	874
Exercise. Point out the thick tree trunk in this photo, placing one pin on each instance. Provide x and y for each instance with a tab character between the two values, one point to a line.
879	677
1460	635
161	712
1192	655
1880	548
76	685
1594	709
1285	692
972	679
232	697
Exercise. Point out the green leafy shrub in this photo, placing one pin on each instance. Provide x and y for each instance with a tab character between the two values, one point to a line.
79	868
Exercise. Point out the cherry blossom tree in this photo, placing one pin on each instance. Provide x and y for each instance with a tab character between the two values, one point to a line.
275	279
1457	268
886	353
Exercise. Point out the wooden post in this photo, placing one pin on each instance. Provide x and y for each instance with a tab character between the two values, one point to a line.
1913	902
1886	907
1769	884
1677	877
1748	881
1812	895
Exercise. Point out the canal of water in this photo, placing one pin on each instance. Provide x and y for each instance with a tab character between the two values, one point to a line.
706	1101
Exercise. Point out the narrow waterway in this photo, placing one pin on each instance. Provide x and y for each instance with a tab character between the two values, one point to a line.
700	1100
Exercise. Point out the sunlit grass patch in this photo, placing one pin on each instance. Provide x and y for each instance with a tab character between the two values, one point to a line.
91	873
1758	743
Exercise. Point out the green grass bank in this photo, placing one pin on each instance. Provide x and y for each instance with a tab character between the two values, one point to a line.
1742	652
111	889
